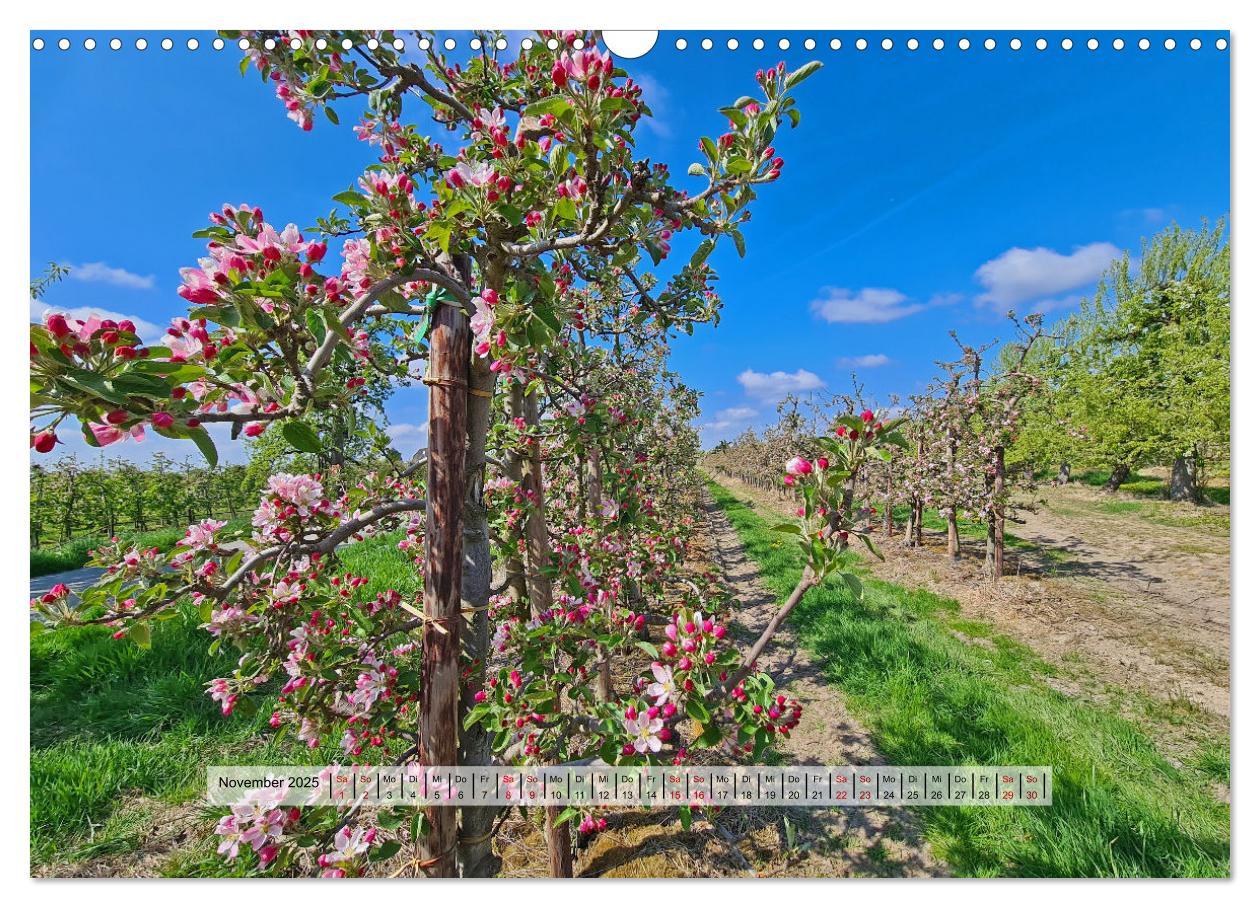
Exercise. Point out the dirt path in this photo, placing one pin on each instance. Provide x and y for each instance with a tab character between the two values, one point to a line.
1162	583
1118	593
835	842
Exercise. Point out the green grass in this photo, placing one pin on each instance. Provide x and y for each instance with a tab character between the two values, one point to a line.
69	556
1166	514
1120	808
1148	486
120	733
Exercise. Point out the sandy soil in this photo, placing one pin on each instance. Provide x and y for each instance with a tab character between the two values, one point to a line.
1137	599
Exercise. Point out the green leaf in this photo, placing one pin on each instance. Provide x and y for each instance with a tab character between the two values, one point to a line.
792	528
684	817
201	438
564	816
91	384
315	324
697	711
798	76
389	819
739	242
609	105
710	149
140	634
649	648
556	105
301	436
441	234
350	198
548	316
386	851
140	385
475	715
870	545
332	115
702	253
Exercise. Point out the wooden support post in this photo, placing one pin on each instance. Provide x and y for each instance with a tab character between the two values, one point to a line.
449	351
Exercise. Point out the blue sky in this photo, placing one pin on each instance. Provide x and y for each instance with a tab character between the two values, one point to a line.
924	190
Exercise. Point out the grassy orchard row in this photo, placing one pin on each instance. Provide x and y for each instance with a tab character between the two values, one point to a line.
936	689
527	268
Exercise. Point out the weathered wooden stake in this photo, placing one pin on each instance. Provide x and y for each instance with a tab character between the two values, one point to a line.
449	353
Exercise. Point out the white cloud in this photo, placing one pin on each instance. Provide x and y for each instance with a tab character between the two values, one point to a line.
406	433
1019	275
1149	216
148	332
945	299
868	306
866	361
656	97
774	386
100	273
727	423
730	418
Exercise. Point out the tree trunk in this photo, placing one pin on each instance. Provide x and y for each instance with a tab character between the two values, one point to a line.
449	353
1183	485
538	546
515	467
1065	473
538	542
1117	478
997	517
594	481
951	540
990	544
476	853
889	526
559	844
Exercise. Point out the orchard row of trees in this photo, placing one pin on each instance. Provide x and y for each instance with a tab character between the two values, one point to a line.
526	273
955	457
1138	377
71	498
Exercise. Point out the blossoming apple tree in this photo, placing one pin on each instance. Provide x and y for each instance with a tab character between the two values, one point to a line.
516	253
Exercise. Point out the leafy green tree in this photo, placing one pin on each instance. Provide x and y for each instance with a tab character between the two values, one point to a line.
1140	375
